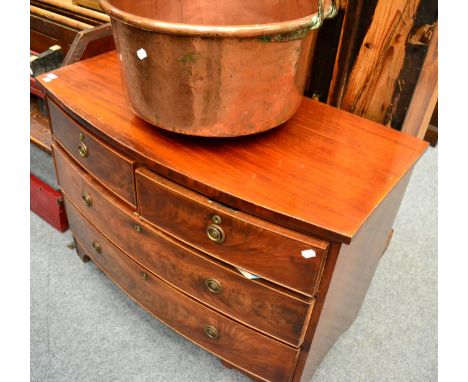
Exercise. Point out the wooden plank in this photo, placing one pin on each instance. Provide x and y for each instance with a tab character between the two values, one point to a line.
74	9
41	42
425	95
59	18
357	20
101	36
93	4
51	31
369	91
381	52
417	49
432	135
65	12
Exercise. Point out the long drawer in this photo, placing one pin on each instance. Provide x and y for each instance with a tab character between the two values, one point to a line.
260	306
110	167
249	350
274	253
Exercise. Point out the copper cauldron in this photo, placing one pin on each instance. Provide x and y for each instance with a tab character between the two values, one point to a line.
216	68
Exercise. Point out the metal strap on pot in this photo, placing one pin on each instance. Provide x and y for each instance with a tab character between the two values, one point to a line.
322	14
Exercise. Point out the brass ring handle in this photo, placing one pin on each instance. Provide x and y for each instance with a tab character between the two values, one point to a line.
83	150
97	247
211	332
215	233
87	199
214	286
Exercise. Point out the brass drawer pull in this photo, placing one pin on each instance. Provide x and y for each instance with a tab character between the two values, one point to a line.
214	286
97	247
211	332
215	233
87	199
144	275
83	150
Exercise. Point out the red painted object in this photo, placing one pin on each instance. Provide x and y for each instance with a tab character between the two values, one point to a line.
48	204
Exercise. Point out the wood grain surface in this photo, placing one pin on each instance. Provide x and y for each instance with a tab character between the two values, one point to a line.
260	306
247	349
107	165
45	33
322	173
426	93
264	249
369	90
381	53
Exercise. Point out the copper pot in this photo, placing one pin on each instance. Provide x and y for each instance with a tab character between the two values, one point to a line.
216	68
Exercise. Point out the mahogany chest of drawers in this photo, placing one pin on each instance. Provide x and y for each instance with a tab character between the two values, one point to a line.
259	249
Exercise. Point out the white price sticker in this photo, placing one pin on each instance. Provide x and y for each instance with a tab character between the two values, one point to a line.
308	253
141	53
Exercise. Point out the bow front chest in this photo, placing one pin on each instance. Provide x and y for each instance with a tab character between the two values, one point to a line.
259	249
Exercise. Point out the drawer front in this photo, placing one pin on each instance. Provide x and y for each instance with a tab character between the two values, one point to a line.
108	166
262	248
238	344
262	307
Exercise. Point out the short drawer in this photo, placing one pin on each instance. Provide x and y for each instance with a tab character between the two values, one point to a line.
264	249
111	168
260	306
251	351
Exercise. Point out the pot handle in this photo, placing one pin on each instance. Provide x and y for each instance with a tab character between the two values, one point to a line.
322	14
332	10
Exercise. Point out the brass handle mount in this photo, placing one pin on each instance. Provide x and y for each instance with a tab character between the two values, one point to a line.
83	150
87	199
215	233
97	247
211	332
214	286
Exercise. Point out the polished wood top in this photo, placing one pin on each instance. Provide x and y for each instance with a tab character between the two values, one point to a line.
322	173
